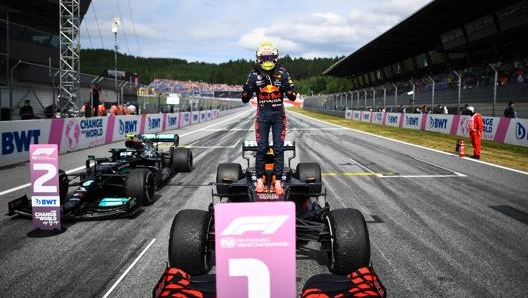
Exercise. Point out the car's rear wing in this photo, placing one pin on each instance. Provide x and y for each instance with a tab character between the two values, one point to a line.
251	146
161	138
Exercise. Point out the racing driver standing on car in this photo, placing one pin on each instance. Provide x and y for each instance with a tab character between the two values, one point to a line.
269	81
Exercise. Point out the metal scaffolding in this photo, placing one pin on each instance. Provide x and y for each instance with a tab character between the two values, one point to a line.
70	47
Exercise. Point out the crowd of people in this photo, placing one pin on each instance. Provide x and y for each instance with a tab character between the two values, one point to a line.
175	86
509	72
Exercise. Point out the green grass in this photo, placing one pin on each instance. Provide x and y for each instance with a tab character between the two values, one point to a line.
507	155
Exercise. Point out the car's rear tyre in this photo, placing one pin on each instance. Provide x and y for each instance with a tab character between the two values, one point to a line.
349	244
227	173
188	242
64	186
182	160
141	184
310	172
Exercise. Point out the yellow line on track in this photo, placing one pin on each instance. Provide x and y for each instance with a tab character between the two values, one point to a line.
357	174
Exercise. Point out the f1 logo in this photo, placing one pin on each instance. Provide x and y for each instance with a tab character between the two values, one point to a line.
265	224
43	151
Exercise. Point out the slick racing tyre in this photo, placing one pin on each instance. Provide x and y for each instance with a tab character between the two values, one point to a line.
349	243
310	172
141	184
182	160
227	173
189	242
64	186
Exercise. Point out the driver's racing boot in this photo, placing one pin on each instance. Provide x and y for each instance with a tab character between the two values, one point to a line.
259	185
278	187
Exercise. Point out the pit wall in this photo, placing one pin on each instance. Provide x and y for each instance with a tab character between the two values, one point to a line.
71	134
497	129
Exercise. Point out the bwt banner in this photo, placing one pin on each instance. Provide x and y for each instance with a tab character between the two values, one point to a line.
412	121
378	117
366	116
356	115
17	136
393	119
185	119
71	134
497	129
151	123
172	121
125	124
195	117
517	133
348	114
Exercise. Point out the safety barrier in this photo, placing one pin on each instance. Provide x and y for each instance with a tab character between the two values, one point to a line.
71	134
498	129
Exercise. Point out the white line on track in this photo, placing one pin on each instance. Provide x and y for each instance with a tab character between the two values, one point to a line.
424	176
29	184
129	268
361	166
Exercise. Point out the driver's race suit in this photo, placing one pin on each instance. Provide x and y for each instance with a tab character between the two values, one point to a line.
269	88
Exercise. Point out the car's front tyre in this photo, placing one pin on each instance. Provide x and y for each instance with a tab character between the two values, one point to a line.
189	242
141	184
349	241
182	160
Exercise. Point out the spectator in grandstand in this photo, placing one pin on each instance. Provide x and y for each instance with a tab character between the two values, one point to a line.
446	111
509	112
270	81
475	126
26	111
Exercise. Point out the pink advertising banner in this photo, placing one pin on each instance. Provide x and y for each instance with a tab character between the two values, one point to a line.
255	250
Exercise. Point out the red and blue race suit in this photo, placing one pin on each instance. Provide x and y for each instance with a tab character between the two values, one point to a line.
269	88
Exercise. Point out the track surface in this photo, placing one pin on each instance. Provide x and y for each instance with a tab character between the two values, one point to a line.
440	225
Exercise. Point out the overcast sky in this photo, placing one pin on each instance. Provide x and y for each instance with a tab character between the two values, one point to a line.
216	31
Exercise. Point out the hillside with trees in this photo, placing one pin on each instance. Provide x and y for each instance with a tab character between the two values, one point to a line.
305	72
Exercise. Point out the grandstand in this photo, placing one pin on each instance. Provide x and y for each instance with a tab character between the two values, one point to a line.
471	52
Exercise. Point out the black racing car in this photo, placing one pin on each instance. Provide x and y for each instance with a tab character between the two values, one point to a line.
342	233
118	185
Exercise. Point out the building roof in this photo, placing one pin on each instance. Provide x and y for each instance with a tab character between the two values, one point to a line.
38	14
424	31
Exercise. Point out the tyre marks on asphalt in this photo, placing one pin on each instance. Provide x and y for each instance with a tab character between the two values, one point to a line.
365	170
512	213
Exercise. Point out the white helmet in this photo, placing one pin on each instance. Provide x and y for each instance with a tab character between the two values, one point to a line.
471	109
267	55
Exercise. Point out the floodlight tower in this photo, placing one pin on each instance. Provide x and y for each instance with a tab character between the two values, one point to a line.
115	26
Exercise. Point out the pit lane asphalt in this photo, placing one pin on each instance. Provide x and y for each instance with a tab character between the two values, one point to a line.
440	225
